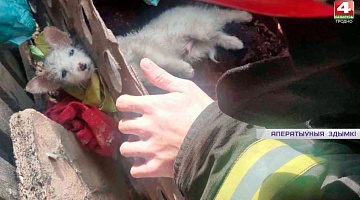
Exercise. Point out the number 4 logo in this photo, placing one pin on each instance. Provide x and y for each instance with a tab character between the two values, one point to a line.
344	9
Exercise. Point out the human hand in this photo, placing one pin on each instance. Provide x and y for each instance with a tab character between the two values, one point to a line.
164	123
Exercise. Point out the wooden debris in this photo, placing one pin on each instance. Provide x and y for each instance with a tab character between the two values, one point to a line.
6	151
39	99
12	66
12	93
8	183
70	172
5	113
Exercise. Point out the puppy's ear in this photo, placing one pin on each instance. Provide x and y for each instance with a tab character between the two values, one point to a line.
41	84
56	37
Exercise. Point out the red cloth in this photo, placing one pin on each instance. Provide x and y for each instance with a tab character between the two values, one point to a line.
93	128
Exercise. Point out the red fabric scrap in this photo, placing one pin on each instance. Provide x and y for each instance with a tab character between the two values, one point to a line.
281	8
93	128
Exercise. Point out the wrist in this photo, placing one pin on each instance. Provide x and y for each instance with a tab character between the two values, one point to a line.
193	132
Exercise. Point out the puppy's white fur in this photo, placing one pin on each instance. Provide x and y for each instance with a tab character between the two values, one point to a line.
181	36
59	59
62	66
174	40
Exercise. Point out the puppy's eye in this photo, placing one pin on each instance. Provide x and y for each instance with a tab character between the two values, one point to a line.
71	53
63	73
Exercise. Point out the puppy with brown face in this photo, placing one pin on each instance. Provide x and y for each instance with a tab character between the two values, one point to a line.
174	40
65	65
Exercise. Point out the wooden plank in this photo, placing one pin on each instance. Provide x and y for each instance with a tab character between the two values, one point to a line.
5	114
12	93
51	163
8	184
3	154
6	151
26	59
6	148
39	99
12	65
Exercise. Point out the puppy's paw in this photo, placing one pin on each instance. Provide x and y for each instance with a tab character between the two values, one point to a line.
187	71
235	44
243	16
230	42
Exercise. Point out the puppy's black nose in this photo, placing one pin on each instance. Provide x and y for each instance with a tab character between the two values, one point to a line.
82	66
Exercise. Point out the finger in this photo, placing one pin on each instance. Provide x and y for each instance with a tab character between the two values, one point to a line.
137	104
160	78
134	126
134	149
144	169
151	168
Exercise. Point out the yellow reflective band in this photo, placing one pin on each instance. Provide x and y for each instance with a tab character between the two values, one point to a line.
244	162
293	169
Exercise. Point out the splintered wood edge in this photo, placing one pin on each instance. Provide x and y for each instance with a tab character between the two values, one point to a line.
52	164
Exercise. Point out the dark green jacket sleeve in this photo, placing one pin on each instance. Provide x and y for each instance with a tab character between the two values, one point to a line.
218	147
209	149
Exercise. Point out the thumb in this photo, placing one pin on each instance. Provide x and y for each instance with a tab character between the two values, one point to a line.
159	77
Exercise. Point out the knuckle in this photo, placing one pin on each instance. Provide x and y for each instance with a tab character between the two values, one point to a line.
160	77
